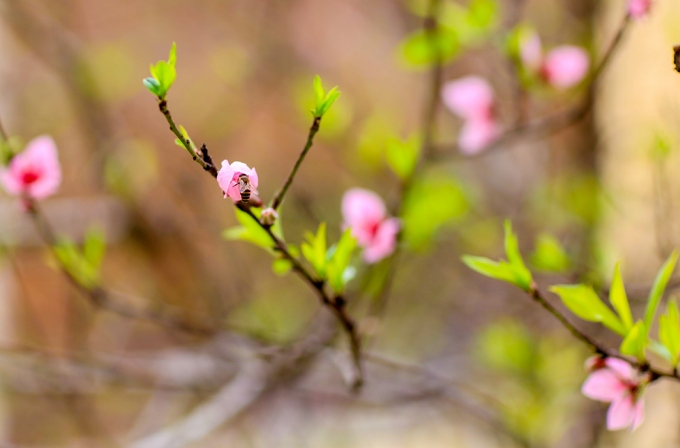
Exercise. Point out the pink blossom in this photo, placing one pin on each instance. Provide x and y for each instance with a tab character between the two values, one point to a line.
621	385
565	66
364	212
531	52
475	135
228	179
637	9
34	172
470	98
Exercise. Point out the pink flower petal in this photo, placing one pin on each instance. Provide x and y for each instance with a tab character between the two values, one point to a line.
225	178
565	66
475	135
470	97
623	369
384	242
35	171
621	413
638	414
637	9
362	209
253	178
604	385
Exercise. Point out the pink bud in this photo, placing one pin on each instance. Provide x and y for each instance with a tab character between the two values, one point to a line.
269	216
565	66
475	135
364	212
531	52
470	98
34	172
228	179
637	9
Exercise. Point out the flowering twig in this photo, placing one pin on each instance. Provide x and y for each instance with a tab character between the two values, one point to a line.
538	297
314	128
336	304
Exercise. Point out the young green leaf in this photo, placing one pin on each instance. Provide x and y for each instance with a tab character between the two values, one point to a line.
402	155
319	93
659	287
314	250
331	96
618	298
584	302
323	100
422	49
282	266
250	231
94	246
635	342
522	274
549	255
163	74
669	331
498	270
339	262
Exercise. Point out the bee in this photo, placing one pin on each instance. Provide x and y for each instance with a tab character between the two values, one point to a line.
676	57
244	187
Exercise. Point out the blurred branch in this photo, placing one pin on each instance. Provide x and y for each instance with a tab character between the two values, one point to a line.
278	198
98	296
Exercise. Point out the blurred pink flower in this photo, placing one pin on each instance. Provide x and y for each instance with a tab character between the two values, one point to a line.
470	98
34	172
475	135
228	178
565	66
619	384
364	212
531	52
637	9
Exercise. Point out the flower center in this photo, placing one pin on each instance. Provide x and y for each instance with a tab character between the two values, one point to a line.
373	229
29	176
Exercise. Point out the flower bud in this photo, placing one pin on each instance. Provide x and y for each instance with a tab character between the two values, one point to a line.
269	216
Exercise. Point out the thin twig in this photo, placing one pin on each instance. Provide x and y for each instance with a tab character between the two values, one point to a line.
314	128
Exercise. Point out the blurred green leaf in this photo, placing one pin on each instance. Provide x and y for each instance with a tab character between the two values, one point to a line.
659	287
507	346
482	14
249	230
431	203
163	74
71	259
94	246
402	155
618	298
282	266
669	331
549	255
522	274
314	250
584	302
339	271
424	48
494	269
662	147
635	342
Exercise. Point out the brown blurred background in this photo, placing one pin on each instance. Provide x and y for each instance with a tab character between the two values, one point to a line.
76	376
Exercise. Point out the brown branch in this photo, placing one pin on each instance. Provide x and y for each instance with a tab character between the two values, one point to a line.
314	128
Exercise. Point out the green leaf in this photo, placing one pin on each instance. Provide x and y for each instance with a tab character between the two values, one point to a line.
402	155
250	230
314	250
282	266
635	342
331	96
72	260
659	287
522	274
319	93
424	48
669	331
584	302
549	255
618	298
498	270
337	269
163	73
94	246
482	14
431	204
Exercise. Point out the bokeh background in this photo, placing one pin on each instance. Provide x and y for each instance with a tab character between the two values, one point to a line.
453	359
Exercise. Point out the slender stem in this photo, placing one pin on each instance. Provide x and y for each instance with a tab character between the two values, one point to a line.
314	128
207	166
